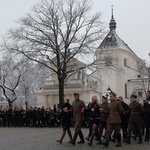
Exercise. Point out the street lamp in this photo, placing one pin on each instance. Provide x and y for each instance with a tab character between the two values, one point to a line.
107	92
26	103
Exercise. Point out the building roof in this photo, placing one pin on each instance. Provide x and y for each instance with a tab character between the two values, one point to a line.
112	40
56	86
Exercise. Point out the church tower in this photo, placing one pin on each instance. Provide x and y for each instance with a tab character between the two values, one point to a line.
126	64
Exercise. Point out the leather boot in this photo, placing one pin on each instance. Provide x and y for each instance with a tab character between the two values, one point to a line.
140	140
106	141
89	135
99	139
118	136
81	137
127	140
113	138
124	136
91	139
62	137
74	138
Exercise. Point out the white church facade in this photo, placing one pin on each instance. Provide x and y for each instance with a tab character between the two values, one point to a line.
124	81
77	83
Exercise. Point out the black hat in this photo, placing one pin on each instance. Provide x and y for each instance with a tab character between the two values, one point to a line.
133	96
104	97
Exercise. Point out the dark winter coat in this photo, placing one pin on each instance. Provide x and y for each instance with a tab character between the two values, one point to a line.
93	111
66	116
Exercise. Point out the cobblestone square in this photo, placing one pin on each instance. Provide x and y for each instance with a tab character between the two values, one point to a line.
45	139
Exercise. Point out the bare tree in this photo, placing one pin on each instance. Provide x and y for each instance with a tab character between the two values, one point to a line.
144	76
10	77
34	78
54	33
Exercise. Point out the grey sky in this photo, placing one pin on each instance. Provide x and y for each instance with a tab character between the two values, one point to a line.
132	17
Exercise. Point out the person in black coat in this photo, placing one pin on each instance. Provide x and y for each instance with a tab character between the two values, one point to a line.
147	115
66	116
94	116
124	117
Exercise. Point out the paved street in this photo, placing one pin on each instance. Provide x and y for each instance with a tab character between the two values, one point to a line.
45	139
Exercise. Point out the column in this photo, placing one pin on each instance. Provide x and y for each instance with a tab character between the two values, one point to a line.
46	101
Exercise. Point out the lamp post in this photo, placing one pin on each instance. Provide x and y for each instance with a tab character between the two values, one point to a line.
26	104
107	92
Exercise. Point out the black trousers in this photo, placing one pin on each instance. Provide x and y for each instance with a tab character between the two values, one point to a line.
147	126
124	127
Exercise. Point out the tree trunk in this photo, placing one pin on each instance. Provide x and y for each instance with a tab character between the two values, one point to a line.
10	103
61	91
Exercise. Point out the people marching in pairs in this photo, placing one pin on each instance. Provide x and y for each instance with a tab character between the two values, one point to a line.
111	116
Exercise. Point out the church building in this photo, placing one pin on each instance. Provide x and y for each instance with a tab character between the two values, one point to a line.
129	76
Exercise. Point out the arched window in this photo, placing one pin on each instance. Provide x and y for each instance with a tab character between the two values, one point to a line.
125	62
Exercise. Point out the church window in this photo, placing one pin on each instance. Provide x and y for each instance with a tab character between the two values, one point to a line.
108	62
125	62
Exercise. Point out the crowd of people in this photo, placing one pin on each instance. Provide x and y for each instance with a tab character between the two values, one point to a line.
30	117
112	120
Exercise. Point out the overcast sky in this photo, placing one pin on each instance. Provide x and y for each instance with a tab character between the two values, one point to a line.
132	17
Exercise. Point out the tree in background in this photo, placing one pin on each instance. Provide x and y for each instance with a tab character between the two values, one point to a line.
31	81
10	77
19	79
54	33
